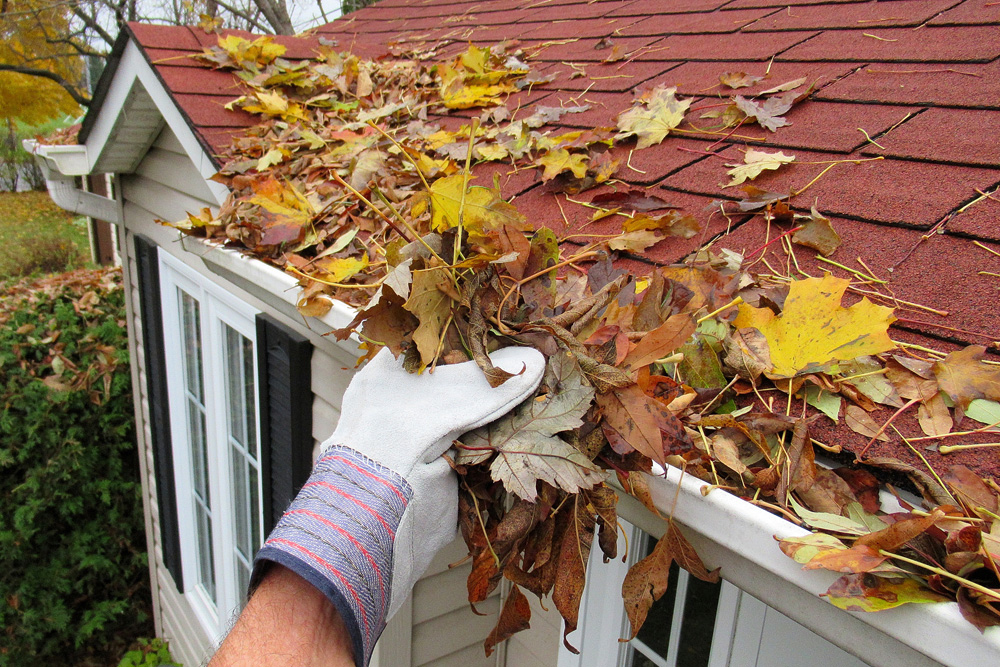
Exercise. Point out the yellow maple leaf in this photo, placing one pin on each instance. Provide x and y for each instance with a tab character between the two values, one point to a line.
814	329
483	209
653	116
560	160
341	269
754	163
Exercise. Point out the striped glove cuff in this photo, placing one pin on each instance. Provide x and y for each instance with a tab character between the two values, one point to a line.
338	535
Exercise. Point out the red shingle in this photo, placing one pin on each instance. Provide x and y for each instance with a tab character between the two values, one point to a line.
866	15
743	4
968	84
981	220
172	57
652	164
210	111
612	77
199	81
940	272
645	8
747	46
930	44
895	192
961	136
586	50
702	78
538	11
580	28
970	12
714	22
811	127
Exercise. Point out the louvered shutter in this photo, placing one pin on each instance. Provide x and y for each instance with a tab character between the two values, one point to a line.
284	370
147	261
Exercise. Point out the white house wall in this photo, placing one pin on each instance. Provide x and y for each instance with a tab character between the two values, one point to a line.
436	628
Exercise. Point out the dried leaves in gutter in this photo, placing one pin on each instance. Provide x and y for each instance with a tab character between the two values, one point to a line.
352	183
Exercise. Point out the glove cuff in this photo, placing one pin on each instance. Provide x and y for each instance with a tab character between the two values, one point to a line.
338	535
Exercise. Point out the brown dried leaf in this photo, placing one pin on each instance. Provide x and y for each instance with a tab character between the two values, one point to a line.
899	533
964	377
514	617
861	422
571	571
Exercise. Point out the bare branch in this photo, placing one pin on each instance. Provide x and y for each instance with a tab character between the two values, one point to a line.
277	15
45	74
92	23
251	21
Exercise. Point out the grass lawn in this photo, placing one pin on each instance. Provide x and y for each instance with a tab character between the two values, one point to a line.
38	236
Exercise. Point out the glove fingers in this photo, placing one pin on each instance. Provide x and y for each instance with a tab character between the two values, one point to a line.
385	403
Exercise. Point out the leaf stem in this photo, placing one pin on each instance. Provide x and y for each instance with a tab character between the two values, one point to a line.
989	592
735	302
360	196
457	249
860	456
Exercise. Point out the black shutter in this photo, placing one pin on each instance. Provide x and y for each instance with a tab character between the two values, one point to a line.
286	442
147	261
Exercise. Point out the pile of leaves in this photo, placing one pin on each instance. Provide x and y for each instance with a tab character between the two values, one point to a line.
73	572
349	184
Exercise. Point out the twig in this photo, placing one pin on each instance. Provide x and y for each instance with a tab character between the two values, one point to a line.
864	450
948	449
941	326
944	573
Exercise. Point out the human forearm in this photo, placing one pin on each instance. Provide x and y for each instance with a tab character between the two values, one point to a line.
287	622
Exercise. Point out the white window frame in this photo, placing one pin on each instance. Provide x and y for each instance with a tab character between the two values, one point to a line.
602	618
741	622
216	308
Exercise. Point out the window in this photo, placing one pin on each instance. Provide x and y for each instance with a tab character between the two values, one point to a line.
209	347
694	624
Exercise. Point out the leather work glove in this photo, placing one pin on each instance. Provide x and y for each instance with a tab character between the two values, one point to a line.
381	501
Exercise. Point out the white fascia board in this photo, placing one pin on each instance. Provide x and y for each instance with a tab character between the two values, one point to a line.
740	537
271	285
133	68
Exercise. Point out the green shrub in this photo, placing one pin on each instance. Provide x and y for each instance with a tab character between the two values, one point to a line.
149	653
73	573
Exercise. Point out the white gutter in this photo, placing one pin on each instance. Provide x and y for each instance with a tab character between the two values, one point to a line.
739	537
61	165
271	285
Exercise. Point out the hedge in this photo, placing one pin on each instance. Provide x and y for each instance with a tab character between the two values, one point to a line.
73	576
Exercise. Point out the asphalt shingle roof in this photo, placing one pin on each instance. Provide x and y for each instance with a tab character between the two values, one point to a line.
914	81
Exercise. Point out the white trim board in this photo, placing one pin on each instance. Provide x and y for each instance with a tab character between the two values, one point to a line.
133	69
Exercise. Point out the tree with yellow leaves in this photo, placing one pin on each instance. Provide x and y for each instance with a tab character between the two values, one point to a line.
41	77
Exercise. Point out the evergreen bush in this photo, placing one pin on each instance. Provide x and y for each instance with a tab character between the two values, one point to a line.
73	574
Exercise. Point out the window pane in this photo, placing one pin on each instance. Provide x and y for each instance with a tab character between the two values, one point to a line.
655	632
240	398
249	383
234	372
255	512
206	565
699	623
191	325
199	451
240	502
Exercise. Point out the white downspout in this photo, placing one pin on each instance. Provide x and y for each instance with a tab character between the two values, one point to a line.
61	165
